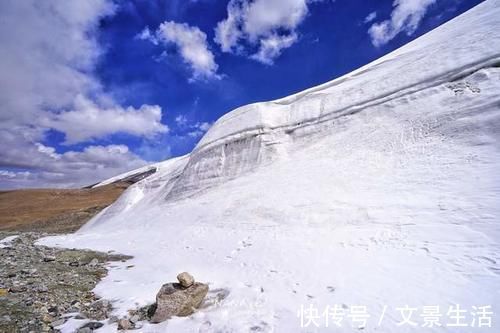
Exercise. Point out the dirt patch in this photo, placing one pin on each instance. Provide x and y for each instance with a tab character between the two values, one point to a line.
54	210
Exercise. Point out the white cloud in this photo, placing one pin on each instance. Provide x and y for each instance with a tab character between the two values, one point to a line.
191	129
270	47
405	17
89	121
269	25
228	31
8	174
72	168
198	129
203	126
181	120
48	55
370	17
191	43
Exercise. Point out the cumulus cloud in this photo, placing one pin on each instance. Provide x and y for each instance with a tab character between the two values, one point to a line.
29	163
405	17
48	168
47	59
191	43
268	25
89	121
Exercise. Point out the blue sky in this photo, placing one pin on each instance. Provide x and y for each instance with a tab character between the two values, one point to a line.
94	88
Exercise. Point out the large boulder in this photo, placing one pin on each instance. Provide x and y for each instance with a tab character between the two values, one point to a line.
174	299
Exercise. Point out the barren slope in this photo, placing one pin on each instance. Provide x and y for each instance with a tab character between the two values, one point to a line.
54	210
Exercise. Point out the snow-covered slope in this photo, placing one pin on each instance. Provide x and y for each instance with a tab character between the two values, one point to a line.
378	189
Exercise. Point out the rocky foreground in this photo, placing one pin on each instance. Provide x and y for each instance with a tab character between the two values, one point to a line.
42	287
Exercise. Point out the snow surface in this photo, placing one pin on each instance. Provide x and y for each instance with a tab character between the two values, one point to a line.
5	242
380	189
127	174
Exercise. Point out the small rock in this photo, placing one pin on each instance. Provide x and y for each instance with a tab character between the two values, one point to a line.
28	271
17	289
49	258
93	325
185	279
99	309
124	324
134	319
113	319
42	289
47	318
175	300
57	322
84	330
94	262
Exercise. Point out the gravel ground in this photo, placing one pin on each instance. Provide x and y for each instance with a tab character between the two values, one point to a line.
40	286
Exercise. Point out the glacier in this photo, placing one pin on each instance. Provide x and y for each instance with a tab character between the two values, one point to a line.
378	189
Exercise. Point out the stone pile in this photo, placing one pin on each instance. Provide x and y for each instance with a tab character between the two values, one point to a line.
179	299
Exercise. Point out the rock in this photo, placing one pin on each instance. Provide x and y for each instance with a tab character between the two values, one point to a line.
124	324
28	271
99	309
49	258
94	262
84	330
47	318
17	289
53	310
93	325
134	319
185	279
113	319
175	300
42	289
57	322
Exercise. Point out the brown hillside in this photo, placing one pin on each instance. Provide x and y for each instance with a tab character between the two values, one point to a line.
54	210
